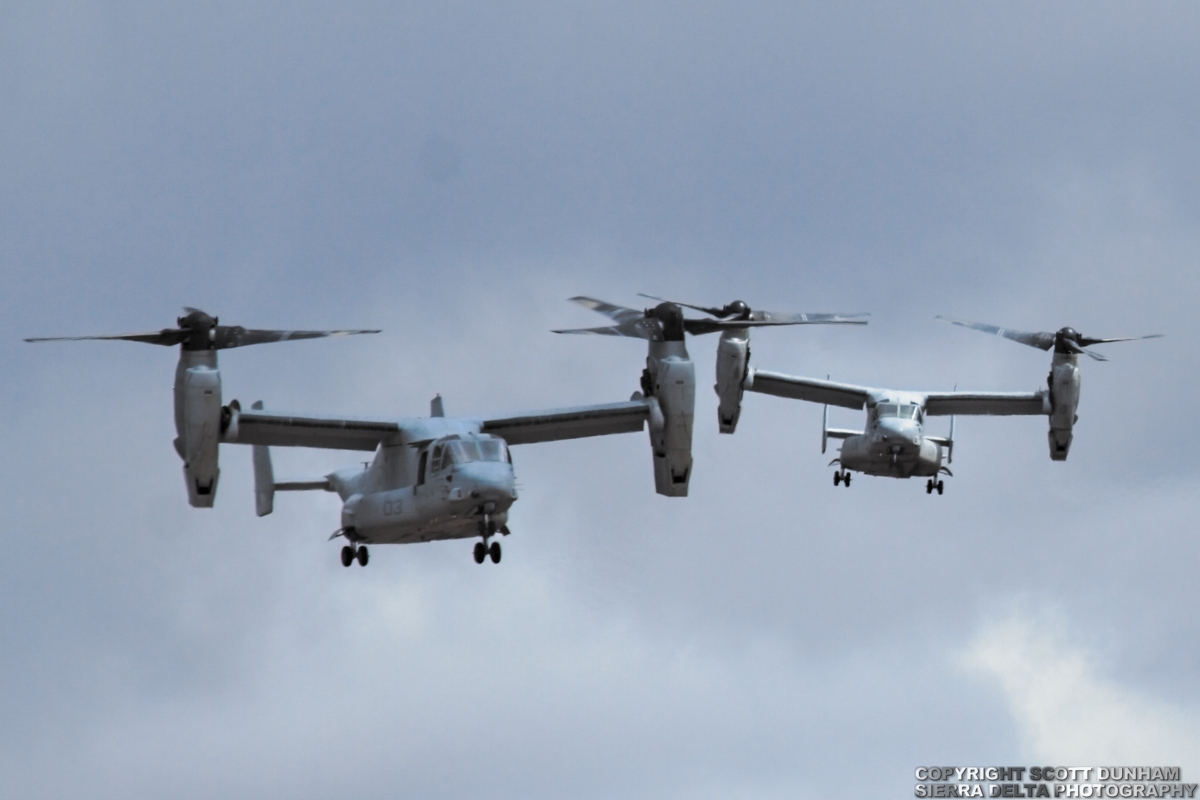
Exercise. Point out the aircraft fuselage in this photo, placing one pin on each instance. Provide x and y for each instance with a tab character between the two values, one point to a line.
893	443
464	487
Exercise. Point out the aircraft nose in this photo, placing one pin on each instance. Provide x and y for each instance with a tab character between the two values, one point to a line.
489	482
900	431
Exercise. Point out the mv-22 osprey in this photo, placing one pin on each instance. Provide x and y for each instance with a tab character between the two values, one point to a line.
893	442
432	478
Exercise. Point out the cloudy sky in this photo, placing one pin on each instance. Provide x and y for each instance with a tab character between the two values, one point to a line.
451	172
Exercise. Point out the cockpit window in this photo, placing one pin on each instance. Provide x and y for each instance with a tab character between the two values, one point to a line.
493	450
464	451
901	410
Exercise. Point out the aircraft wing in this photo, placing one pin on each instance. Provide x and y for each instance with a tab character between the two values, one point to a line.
569	423
993	403
256	426
810	389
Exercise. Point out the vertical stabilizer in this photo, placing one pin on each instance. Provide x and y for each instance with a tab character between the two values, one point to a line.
264	476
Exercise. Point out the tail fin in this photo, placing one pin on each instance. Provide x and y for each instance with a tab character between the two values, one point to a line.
950	447
824	429
825	424
264	481
264	477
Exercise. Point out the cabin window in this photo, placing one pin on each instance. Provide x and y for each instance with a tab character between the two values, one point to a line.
421	467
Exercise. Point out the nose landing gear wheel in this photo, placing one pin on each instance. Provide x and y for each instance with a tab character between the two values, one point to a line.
363	556
480	552
347	556
494	552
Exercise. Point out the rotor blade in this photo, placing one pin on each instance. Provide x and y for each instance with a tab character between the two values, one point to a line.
167	337
637	329
228	336
1088	341
774	316
618	314
795	318
1042	341
716	312
1074	347
698	327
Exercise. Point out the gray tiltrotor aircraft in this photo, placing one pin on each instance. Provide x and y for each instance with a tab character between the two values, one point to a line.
893	443
433	478
669	379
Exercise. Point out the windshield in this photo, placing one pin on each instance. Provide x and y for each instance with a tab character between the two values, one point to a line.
902	410
463	451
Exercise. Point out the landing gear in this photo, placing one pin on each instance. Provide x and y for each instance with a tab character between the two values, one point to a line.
839	477
487	529
352	552
930	485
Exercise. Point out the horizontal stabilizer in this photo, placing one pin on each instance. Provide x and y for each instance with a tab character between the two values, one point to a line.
305	486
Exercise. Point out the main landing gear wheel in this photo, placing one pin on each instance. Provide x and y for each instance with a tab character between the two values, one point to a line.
347	556
494	552
363	556
839	477
930	485
480	552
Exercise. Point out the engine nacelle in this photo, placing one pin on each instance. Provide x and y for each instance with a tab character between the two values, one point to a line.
733	357
1064	401
200	432
670	379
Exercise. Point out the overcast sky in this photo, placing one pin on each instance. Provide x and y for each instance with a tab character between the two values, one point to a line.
450	173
